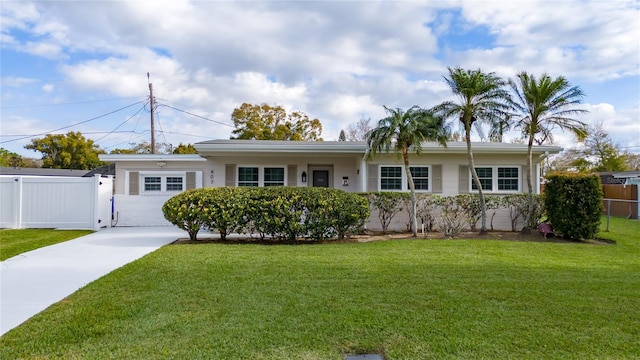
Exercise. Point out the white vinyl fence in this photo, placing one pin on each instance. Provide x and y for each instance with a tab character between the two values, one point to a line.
55	202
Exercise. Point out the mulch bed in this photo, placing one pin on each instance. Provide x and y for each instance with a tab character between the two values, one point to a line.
534	236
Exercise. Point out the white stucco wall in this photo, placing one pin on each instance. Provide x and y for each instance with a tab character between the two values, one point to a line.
140	210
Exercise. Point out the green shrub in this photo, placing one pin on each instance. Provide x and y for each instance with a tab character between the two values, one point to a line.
332	213
388	205
492	203
518	205
225	209
285	213
469	205
187	211
452	218
574	204
276	212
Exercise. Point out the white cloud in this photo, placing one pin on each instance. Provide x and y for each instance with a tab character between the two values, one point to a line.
590	39
337	61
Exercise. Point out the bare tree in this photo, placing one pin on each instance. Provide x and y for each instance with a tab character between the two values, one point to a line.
359	131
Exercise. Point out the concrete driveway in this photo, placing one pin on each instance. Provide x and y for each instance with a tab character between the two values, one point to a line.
31	282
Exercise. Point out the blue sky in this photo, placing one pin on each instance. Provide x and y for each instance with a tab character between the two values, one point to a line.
68	62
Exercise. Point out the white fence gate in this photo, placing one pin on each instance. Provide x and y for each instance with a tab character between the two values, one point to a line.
55	202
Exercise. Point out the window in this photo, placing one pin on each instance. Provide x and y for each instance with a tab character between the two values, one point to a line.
152	183
420	177
507	179
261	176
390	178
485	175
248	176
161	182
395	178
273	176
174	183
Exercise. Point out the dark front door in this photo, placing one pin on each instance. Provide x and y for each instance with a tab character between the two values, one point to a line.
320	178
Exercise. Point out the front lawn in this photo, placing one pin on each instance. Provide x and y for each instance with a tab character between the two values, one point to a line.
408	299
17	241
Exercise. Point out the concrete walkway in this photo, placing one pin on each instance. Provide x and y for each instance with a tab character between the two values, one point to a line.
31	282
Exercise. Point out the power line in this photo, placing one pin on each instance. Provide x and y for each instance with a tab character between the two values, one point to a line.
198	116
72	125
67	103
122	123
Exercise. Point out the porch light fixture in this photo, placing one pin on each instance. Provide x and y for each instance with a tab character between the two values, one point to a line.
304	176
161	163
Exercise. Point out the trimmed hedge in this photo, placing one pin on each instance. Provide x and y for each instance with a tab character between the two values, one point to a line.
573	204
285	213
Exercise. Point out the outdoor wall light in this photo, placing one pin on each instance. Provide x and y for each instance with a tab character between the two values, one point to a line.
161	163
304	176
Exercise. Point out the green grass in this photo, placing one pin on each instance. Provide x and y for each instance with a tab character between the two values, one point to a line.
15	242
408	299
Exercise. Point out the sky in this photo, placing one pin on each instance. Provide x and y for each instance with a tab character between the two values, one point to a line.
82	65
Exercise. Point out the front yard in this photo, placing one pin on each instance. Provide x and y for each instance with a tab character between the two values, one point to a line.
15	242
407	299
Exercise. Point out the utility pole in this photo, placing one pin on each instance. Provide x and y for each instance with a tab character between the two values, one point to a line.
152	105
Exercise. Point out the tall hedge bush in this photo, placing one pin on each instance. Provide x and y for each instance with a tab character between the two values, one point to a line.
188	211
574	204
286	213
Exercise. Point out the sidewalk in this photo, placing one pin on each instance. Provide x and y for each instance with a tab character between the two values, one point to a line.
31	282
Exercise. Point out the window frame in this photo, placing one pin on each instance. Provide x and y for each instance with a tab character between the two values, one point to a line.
163	175
495	179
261	174
404	181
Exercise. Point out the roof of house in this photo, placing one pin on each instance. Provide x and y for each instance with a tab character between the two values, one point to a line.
358	147
150	157
42	172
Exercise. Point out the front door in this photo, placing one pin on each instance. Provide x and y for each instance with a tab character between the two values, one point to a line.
320	178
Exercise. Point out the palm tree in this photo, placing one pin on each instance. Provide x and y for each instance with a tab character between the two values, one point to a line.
542	105
481	98
405	131
499	127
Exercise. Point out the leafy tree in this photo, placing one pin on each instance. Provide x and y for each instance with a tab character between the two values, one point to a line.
143	148
185	149
265	122
481	98
542	105
570	160
69	151
403	131
359	131
605	152
8	158
342	136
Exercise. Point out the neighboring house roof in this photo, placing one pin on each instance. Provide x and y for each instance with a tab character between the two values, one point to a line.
618	177
355	147
626	174
42	172
109	169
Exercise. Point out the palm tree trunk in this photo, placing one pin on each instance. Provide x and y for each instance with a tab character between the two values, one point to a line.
474	175
529	214
412	188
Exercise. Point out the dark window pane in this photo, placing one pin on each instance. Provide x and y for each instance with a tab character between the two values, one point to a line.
152	183
174	184
273	176
390	184
248	176
508	178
